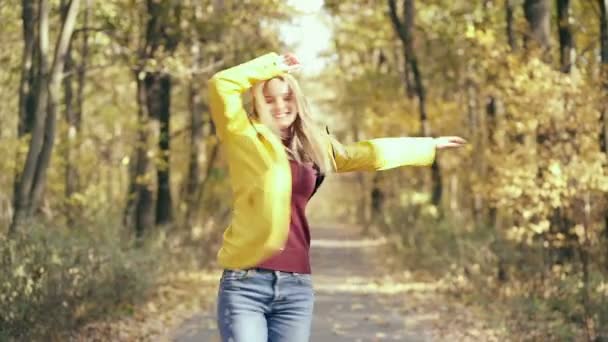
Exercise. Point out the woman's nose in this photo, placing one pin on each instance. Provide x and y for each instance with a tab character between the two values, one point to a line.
279	106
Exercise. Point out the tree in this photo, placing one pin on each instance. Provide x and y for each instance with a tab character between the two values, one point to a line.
31	181
537	13
566	40
73	85
405	31
509	18
154	113
29	77
603	22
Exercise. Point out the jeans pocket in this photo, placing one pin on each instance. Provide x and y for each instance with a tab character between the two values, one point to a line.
304	279
234	274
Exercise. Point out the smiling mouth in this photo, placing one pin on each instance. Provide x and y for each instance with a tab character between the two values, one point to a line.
282	115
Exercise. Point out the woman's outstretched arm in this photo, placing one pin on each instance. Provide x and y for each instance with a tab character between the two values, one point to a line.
388	153
226	87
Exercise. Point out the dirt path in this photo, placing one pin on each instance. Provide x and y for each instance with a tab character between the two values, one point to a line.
356	300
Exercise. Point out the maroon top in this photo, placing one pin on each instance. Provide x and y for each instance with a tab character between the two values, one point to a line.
295	257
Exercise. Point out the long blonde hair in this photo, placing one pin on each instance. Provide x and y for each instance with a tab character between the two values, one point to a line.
309	142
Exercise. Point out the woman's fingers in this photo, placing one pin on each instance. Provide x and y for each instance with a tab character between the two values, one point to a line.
458	140
291	59
449	142
290	63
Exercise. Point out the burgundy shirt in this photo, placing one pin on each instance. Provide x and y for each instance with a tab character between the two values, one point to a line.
295	255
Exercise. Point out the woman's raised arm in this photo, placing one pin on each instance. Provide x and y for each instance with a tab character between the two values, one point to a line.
226	87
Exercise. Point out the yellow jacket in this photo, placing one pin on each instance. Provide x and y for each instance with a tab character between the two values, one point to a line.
259	167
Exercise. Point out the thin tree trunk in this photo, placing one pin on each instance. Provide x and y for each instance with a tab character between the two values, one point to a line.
22	198
405	30
162	96
566	40
377	199
538	16
82	68
196	139
559	220
360	200
407	76
74	105
493	218
493	214
68	95
161	33
510	11
28	87
68	98
33	177
213	154
53	97
476	160
154	91
141	203
604	110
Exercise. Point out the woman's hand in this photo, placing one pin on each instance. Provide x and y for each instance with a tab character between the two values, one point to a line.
449	142
288	62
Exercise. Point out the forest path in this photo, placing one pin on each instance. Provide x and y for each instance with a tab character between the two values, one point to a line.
357	298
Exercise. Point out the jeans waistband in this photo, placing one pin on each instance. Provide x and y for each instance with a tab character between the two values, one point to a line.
266	270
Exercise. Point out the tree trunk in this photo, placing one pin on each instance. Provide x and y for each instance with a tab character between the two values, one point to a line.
212	157
74	105
28	87
492	219
377	199
407	76
196	139
566	41
31	182
68	96
477	166
405	30
604	110
538	16
54	91
559	220
510	11
154	92
159	103
360	201
140	203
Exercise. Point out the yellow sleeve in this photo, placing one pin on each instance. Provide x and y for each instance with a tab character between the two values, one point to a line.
383	154
227	86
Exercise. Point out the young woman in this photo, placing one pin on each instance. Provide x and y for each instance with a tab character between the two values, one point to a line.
277	158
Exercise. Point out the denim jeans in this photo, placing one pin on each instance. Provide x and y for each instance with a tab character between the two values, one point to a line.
264	306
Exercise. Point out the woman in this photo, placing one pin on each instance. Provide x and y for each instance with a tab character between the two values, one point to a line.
277	158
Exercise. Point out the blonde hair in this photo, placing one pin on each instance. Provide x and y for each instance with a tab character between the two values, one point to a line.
309	141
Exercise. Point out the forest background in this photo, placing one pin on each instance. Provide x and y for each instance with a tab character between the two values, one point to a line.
112	175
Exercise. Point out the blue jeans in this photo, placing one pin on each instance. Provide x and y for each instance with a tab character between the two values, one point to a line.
264	306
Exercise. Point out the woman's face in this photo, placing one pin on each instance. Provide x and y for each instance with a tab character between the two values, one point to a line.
282	103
